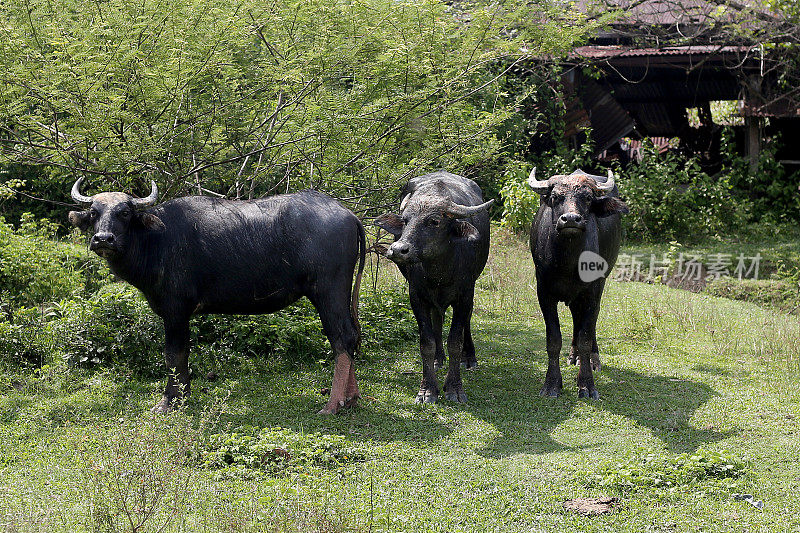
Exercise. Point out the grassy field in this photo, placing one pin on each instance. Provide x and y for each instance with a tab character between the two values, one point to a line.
699	401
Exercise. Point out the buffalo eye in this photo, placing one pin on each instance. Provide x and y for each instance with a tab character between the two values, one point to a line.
125	214
433	222
93	214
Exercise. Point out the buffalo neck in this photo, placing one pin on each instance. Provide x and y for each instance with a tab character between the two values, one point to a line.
138	265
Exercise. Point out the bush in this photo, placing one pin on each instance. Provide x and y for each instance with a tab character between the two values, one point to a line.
136	475
778	293
771	189
36	269
113	326
671	198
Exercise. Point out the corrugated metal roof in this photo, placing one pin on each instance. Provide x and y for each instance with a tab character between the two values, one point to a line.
606	52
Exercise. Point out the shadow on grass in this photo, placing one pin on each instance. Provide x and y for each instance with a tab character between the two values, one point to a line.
510	386
291	399
503	392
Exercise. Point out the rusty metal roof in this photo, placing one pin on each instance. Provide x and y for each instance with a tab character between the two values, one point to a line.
614	51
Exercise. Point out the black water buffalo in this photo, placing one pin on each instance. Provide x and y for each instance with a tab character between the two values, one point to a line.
207	255
574	242
441	246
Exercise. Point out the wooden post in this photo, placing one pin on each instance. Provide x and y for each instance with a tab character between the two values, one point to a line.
753	142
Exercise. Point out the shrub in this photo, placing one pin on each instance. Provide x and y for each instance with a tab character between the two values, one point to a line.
136	474
671	198
771	189
114	325
779	293
25	338
36	269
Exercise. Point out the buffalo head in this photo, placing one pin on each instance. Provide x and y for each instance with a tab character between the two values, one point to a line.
426	226
110	216
573	199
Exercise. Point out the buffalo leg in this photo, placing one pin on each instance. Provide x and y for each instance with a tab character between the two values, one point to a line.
176	356
594	356
453	386
344	389
584	312
469	361
429	388
342	332
437	319
553	382
573	352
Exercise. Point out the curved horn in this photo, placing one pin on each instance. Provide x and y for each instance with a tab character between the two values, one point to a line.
404	202
608	185
537	185
149	200
76	193
461	211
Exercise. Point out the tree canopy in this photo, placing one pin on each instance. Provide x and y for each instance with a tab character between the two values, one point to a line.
242	98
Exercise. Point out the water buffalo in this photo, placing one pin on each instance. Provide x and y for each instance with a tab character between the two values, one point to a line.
207	255
441	246
574	242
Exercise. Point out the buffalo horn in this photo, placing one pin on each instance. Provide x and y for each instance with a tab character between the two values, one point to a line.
149	200
404	202
77	196
460	211
608	184
538	185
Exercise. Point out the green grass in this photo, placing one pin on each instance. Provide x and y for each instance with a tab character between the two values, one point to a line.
683	373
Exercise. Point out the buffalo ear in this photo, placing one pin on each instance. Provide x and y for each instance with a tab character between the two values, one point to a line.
79	219
391	223
465	230
609	205
152	222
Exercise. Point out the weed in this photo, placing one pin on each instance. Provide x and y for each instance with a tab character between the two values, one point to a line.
652	471
275	451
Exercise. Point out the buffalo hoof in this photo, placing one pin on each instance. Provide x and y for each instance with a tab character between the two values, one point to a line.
469	365
438	363
551	391
166	405
457	396
588	393
427	396
333	407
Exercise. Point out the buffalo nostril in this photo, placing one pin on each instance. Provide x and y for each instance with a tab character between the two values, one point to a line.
404	249
103	237
571	217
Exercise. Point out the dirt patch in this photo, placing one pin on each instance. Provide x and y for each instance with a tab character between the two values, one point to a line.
591	506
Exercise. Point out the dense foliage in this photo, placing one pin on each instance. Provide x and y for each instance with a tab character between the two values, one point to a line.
244	98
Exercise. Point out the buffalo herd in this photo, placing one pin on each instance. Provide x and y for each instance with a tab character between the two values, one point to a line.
197	255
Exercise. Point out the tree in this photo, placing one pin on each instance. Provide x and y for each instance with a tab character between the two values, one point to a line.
242	98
